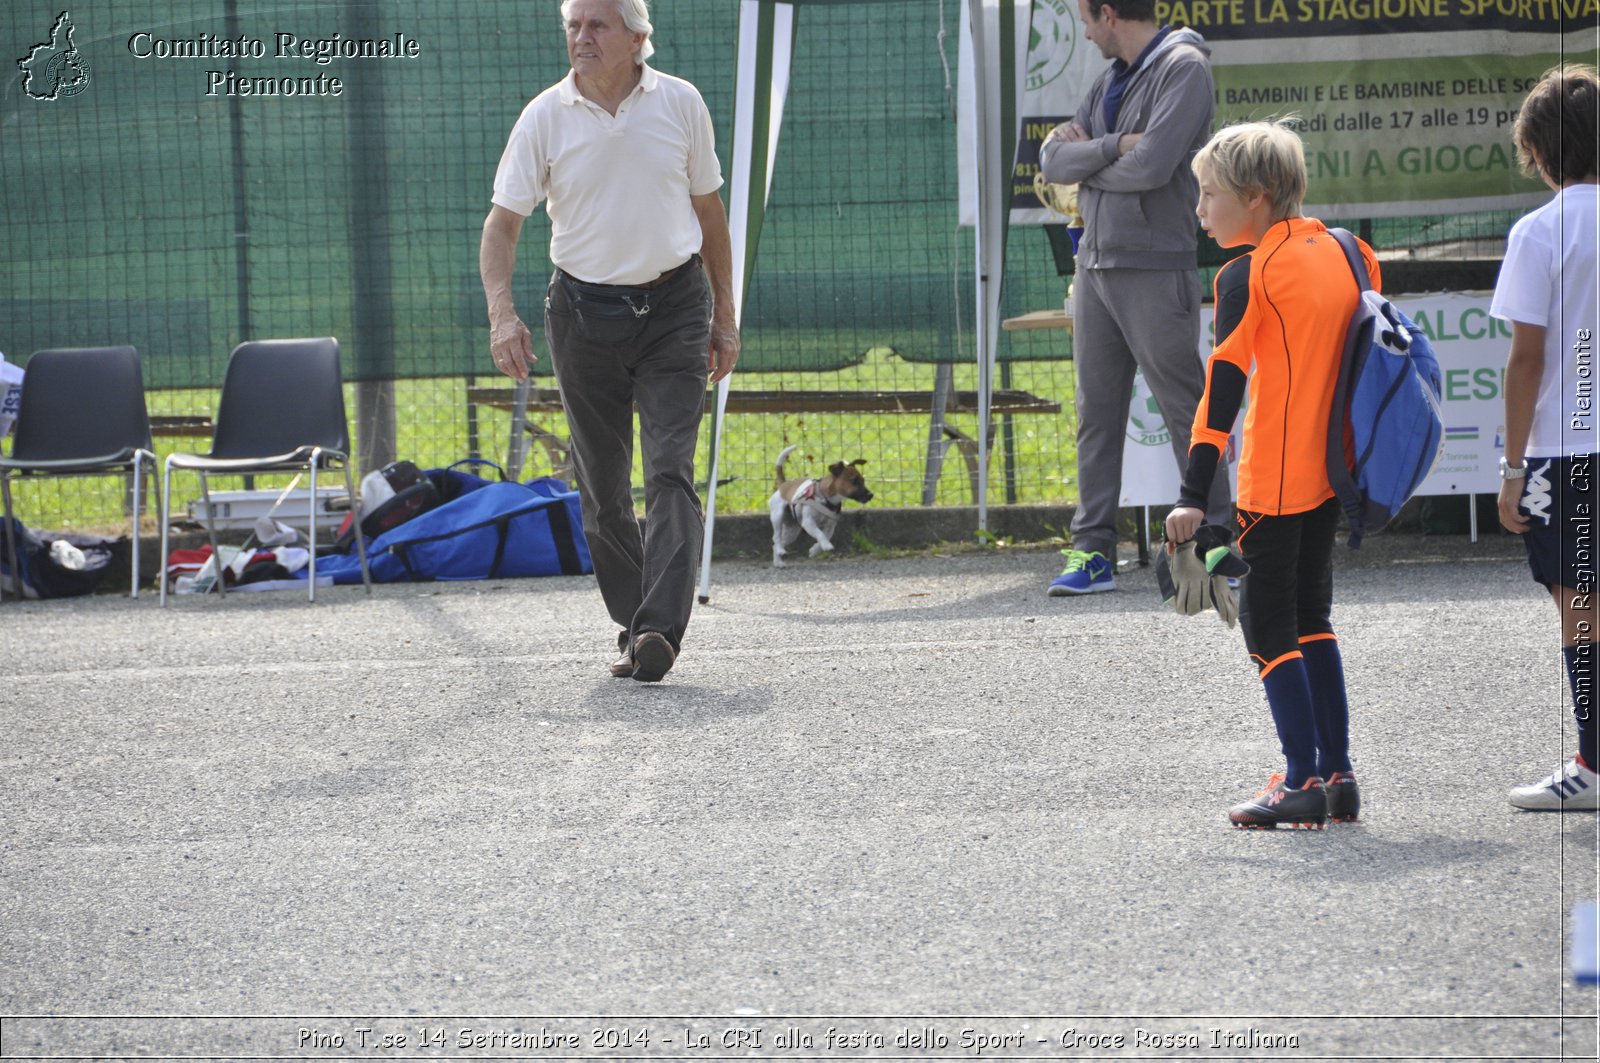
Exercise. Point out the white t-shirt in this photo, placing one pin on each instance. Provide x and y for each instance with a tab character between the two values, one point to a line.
1549	278
616	187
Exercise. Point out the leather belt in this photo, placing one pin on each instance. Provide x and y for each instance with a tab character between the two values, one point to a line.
666	278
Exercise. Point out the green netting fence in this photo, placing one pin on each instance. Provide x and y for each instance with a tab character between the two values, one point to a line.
164	207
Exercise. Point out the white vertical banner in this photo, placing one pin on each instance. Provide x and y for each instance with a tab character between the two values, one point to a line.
1055	66
766	46
987	64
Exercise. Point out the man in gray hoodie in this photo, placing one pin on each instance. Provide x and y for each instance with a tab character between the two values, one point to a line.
1137	293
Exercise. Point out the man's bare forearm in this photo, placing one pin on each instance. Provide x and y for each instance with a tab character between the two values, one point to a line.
716	252
497	263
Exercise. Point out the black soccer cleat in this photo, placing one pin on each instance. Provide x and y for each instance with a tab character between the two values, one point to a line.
1344	797
1278	806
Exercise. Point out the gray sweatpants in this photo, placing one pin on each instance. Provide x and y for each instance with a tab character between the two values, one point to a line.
604	367
1125	319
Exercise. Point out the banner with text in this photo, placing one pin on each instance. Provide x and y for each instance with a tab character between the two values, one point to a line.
1406	105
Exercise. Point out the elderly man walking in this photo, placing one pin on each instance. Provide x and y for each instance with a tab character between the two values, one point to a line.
622	156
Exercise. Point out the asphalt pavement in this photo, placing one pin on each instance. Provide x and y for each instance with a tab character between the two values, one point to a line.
884	806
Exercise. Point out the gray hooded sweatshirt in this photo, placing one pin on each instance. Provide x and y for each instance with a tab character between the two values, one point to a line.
1138	210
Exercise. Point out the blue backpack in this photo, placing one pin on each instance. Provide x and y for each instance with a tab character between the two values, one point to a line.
489	531
1386	428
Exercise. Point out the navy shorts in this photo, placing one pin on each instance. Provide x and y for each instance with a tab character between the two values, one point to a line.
1560	498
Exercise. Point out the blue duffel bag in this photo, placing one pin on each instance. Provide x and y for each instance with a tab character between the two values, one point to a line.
491	531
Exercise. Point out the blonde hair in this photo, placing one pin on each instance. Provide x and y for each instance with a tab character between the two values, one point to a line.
1264	157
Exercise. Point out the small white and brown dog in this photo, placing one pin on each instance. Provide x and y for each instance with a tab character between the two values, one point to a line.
812	505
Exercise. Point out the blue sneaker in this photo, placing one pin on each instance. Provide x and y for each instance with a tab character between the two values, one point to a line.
1086	573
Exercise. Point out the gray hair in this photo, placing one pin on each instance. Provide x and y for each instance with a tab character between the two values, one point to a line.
635	16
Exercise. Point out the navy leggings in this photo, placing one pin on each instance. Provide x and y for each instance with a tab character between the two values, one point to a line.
1287	598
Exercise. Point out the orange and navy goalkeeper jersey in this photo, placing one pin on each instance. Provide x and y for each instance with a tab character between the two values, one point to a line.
1282	312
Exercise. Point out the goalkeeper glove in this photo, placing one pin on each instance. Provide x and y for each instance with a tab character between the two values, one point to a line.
1183	580
1221	564
1194	577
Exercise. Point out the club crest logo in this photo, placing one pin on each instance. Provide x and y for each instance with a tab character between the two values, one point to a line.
1052	38
55	69
1146	426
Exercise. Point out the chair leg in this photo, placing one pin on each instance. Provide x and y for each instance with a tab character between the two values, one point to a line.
164	502
138	481
355	522
517	449
311	529
211	531
153	501
11	539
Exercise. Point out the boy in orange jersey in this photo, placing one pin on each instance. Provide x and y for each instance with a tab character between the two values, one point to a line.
1281	315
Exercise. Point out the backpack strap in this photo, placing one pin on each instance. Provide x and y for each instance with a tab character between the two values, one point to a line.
1340	478
1352	255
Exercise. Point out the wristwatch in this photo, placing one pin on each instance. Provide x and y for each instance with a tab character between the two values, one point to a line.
1512	472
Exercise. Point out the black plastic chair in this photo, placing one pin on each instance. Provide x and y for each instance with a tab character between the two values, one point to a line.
282	410
82	413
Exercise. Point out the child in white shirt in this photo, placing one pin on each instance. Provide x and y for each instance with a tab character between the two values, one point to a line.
1548	290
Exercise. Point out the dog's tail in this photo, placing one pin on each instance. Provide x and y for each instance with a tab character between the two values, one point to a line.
782	457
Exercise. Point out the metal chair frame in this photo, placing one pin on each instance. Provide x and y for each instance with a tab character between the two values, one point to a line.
105	404
270	383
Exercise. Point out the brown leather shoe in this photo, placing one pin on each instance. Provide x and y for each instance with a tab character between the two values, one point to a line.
622	668
653	657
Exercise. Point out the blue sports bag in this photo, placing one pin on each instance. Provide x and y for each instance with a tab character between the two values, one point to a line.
1386	428
488	532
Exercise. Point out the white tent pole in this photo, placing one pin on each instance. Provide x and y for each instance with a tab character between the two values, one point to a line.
751	181
994	60
985	122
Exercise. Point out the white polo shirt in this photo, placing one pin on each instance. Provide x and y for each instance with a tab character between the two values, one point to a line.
616	187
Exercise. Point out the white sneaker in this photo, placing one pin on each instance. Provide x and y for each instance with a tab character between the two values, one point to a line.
1570	787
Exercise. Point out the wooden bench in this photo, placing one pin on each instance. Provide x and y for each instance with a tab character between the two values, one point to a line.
548	400
190	425
936	404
